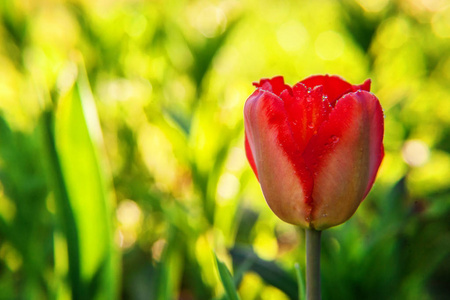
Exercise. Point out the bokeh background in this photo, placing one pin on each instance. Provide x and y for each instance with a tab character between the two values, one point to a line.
122	167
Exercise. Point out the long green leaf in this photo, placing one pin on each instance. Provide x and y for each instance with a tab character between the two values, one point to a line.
227	280
86	198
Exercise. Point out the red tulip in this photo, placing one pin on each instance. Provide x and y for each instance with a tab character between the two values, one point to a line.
315	147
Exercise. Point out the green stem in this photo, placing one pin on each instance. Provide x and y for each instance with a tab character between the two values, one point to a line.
312	264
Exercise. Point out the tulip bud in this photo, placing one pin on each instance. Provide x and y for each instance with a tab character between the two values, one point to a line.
315	147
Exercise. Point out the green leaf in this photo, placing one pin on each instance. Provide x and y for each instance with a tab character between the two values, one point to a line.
169	277
227	280
84	200
301	282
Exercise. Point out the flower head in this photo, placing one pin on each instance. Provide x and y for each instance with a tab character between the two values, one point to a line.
315	147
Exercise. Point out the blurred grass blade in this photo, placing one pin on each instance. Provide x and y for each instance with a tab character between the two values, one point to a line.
269	271
86	198
227	280
170	267
300	281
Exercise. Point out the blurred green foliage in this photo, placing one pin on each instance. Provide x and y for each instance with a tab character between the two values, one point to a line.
122	169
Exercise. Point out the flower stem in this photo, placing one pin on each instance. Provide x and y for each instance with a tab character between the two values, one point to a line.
312	264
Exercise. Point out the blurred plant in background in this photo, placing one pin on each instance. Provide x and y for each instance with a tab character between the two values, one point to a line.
121	147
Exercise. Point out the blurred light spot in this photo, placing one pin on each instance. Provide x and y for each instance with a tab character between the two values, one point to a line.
250	285
119	90
228	186
393	32
50	204
129	216
287	238
270	292
210	20
434	5
158	156
128	213
12	258
55	27
157	249
7	207
266	245
67	77
175	90
329	45
292	36
441	23
373	5
137	26
415	153
123	90
125	238
236	159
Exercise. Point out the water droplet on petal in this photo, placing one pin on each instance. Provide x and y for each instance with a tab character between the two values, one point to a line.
310	125
334	139
325	215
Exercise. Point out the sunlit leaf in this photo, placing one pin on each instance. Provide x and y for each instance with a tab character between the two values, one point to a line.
86	207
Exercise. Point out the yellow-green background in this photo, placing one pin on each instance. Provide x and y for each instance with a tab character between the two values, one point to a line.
122	168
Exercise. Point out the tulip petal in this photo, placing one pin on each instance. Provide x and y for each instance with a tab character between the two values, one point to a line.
306	110
275	85
284	179
334	87
249	154
344	157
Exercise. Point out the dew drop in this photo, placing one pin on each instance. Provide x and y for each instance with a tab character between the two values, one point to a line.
334	139
310	125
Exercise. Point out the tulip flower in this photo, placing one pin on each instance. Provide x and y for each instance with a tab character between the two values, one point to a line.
315	147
